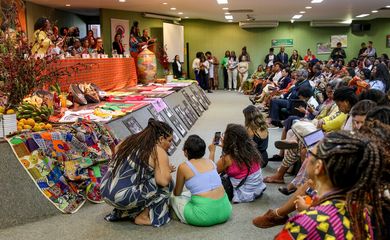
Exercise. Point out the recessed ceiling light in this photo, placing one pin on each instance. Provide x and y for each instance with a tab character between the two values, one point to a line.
316	1
122	1
388	6
229	17
67	5
374	11
225	8
164	3
222	1
308	7
186	17
230	21
363	15
292	20
180	13
227	13
298	16
302	12
173	8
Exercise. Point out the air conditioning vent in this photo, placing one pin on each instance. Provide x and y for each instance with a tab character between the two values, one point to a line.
240	10
258	24
328	23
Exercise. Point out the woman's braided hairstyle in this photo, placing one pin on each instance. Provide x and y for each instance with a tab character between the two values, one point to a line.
354	163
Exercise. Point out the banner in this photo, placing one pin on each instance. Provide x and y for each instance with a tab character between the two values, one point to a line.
283	42
121	26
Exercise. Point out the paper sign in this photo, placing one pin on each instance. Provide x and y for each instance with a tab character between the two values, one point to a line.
159	105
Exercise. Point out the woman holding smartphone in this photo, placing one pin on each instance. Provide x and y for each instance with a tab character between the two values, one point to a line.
241	162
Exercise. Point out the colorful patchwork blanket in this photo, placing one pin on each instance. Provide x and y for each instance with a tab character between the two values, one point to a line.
68	163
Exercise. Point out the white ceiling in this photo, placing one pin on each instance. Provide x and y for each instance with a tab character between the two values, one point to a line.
281	10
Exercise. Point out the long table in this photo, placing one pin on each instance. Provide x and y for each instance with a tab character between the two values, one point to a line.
109	74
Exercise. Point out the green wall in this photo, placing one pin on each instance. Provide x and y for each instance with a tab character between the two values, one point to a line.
218	37
61	18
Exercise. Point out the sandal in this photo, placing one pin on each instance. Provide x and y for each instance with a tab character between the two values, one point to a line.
286	191
276	158
271	180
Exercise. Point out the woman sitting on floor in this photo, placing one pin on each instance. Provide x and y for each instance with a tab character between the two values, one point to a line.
258	130
207	204
138	183
241	162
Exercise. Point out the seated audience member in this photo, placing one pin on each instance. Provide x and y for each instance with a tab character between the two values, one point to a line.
117	44
241	162
359	113
138	183
76	49
309	56
362	49
295	58
86	47
177	68
207	203
370	51
340	199
99	46
285	101
376	121
380	78
345	98
258	131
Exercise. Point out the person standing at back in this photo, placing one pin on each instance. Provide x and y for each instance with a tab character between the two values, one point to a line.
282	57
270	58
177	68
213	71
225	65
232	71
338	53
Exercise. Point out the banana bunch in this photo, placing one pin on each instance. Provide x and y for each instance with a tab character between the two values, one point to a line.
27	110
34	100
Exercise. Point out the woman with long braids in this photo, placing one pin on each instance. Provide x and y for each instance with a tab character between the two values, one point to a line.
138	183
241	162
346	169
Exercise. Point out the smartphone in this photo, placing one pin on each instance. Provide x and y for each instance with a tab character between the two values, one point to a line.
311	192
217	138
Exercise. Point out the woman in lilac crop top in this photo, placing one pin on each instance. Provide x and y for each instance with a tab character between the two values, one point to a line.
207	203
240	159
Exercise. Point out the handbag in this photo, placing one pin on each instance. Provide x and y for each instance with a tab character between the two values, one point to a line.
228	186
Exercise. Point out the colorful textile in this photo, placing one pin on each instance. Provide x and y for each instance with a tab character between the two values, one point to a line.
328	220
67	164
130	195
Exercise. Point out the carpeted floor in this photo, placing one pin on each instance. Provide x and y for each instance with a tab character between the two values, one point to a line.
88	223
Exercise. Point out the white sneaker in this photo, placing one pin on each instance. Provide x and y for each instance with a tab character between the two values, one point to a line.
230	90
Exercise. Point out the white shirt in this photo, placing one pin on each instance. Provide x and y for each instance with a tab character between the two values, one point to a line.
277	76
271	59
211	68
195	64
178	66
